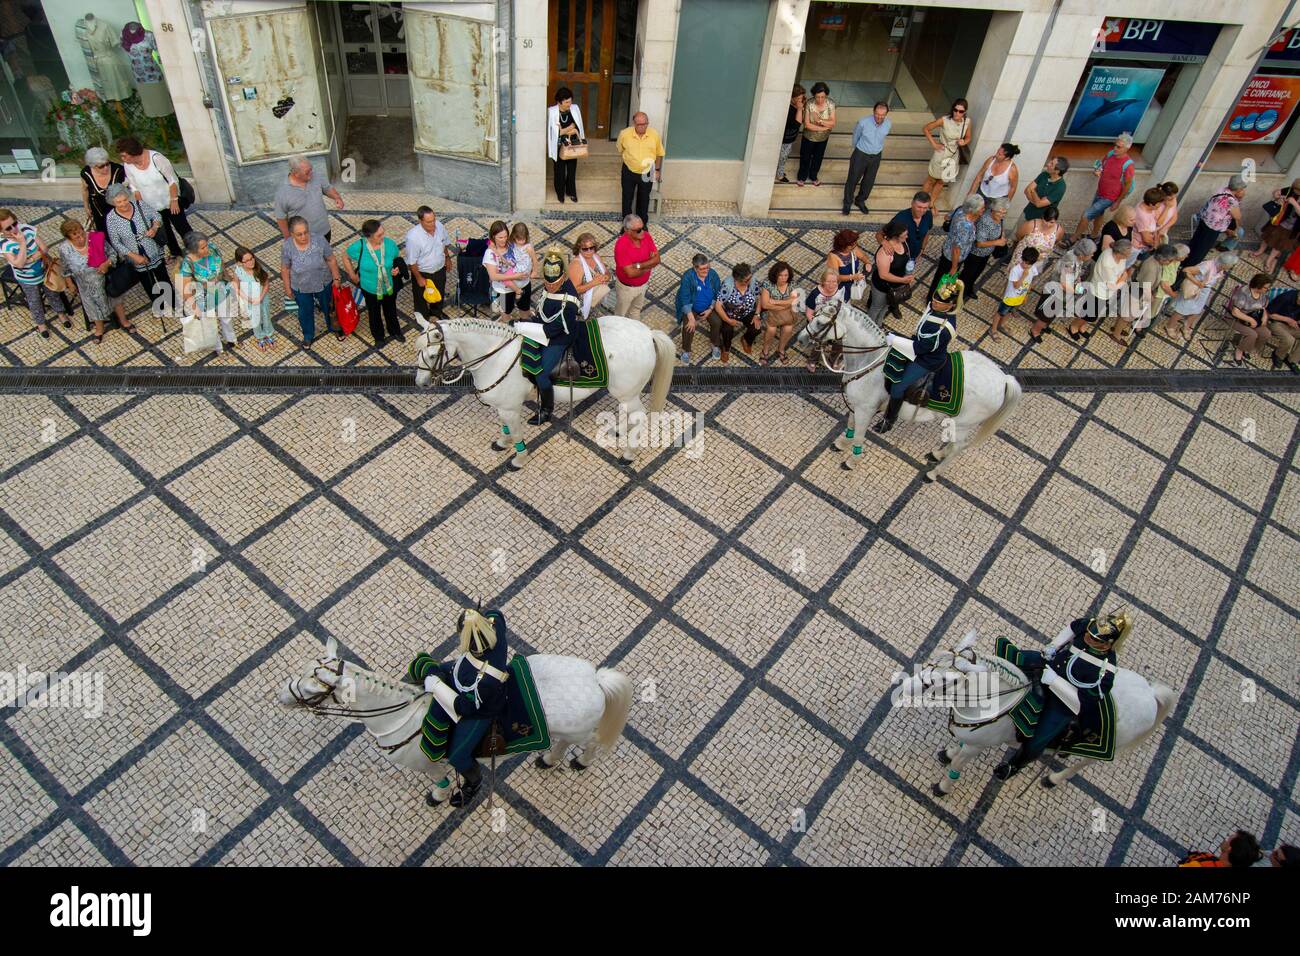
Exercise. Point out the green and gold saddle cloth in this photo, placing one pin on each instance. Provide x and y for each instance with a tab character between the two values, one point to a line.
523	725
589	368
947	388
1098	744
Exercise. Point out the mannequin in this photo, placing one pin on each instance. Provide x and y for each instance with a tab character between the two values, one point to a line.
108	68
141	47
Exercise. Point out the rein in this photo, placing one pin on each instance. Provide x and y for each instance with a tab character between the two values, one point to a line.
442	364
822	339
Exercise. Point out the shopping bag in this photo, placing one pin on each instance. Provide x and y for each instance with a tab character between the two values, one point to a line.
345	307
199	332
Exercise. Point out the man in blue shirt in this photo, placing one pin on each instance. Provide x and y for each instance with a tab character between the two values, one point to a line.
868	143
918	220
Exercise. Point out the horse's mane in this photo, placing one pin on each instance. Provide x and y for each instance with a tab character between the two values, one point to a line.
363	676
500	329
868	324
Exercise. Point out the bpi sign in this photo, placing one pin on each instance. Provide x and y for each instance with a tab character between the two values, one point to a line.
1116	30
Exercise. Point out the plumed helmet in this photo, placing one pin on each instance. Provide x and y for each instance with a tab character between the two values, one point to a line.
478	632
1113	628
948	293
553	265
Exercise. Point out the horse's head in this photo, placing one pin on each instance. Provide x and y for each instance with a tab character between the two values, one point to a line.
432	352
836	322
961	659
320	681
824	326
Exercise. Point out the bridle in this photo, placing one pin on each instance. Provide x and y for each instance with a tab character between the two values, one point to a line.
825	337
449	370
316	706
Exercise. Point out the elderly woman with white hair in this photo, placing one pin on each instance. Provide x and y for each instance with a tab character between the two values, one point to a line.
1108	276
205	288
96	176
1194	293
132	228
989	237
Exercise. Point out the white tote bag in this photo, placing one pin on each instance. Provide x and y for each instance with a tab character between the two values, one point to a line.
199	332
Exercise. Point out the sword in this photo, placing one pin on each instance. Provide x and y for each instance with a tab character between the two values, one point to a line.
1042	765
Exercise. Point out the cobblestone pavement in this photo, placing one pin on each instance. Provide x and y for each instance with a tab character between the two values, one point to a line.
197	549
729	240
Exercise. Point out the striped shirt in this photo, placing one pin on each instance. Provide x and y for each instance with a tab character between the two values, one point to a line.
34	272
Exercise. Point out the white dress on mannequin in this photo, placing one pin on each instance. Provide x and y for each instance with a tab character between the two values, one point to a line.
105	57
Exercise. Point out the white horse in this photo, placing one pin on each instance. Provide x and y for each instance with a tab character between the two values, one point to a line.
584	706
990	396
983	690
490	352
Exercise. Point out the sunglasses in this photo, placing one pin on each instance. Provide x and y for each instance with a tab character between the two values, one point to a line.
959	112
587	249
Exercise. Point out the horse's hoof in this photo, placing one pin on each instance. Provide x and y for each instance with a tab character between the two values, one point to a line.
942	756
428	799
541	763
932	457
930	476
515	465
1047	782
937	790
846	465
573	762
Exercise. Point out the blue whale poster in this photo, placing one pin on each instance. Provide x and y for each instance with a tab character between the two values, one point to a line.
1113	100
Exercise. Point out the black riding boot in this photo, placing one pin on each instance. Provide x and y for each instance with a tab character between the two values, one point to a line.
472	779
1012	765
545	403
890	416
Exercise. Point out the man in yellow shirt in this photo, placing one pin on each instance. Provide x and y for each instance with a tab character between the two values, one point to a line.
643	157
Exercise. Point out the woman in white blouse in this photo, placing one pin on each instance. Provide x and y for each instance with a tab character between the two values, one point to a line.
564	121
154	180
588	273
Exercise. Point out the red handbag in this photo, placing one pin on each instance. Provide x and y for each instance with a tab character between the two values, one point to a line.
345	309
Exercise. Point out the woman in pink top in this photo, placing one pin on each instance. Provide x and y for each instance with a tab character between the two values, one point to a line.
1146	220
1168	210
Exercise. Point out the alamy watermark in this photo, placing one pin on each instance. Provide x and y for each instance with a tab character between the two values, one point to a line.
667	429
75	690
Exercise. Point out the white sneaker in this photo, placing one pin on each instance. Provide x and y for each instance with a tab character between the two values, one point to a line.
717	354
686	358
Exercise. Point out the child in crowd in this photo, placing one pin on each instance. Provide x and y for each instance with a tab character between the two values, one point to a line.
251	281
1019	279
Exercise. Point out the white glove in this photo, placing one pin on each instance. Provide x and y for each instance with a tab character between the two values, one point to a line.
1049	677
430	682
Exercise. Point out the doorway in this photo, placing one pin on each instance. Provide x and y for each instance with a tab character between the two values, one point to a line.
592	45
373	104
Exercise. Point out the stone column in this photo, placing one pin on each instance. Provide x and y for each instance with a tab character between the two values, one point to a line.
176	50
652	80
776	75
531	71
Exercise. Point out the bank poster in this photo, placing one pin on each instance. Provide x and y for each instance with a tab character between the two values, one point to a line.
1263	110
1113	100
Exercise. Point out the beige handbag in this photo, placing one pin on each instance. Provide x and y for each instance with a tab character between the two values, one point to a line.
576	151
54	279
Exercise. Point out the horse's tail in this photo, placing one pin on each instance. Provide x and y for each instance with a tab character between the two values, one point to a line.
1011	394
665	359
617	689
1166	698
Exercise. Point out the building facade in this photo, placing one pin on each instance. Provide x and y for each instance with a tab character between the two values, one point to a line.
450	98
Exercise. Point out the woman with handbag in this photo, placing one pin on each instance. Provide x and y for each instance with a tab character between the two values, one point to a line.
566	141
203	286
990	239
371	264
891	283
1282	233
96	176
153	179
88	281
310	274
778	300
818	122
955	133
843	258
131	228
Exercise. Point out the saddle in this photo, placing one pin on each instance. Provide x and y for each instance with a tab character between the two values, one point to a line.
921	390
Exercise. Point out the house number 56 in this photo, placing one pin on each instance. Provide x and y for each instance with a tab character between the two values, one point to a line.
167	28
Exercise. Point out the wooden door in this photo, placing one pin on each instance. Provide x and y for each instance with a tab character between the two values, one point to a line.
582	58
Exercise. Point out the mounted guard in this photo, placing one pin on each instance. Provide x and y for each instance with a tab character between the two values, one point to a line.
472	692
1072	685
560	314
932	374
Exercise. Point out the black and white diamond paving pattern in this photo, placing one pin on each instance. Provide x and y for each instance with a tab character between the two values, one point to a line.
197	549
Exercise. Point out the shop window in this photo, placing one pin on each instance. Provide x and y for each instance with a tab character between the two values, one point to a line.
1262	128
453	85
76	74
1137	82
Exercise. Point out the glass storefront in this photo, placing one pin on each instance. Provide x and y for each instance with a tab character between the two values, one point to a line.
76	74
914	58
1262	127
1136	81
